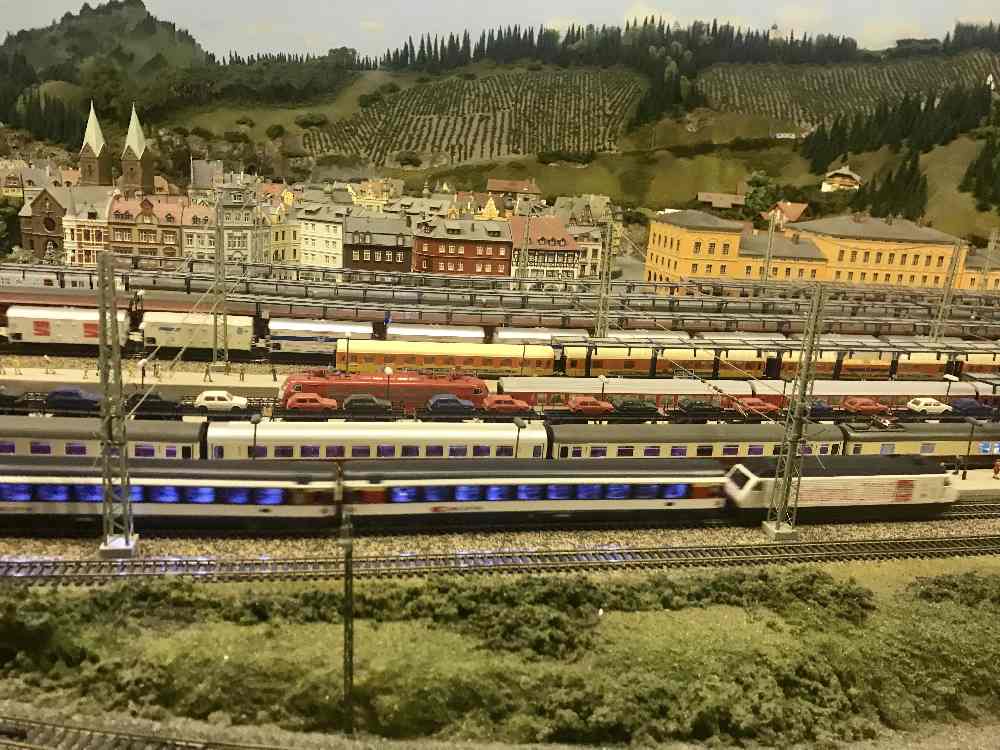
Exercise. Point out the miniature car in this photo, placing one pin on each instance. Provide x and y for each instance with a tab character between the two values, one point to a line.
220	401
588	405
635	407
500	403
448	403
366	403
153	405
927	406
859	405
969	407
72	400
310	402
755	405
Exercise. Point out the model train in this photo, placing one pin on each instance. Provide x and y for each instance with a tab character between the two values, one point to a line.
278	496
977	443
441	349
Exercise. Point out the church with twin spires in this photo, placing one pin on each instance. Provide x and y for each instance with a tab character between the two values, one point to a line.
136	159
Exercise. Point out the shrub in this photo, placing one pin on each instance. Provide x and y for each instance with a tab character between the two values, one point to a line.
312	120
369	100
182	131
549	157
408	159
235	136
388	88
244	120
201	132
275	131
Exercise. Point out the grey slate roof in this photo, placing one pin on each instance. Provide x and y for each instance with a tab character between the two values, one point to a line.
691	219
76	199
384	231
870	228
582	208
204	173
784	247
464	229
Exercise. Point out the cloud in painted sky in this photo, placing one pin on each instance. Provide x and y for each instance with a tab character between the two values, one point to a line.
372	27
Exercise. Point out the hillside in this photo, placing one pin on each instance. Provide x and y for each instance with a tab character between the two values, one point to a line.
467	117
807	94
121	31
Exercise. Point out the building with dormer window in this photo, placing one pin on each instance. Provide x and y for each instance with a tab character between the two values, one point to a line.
552	252
462	247
378	244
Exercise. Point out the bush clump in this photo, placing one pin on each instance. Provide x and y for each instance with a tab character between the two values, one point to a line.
275	131
201	132
967	589
311	120
408	159
369	100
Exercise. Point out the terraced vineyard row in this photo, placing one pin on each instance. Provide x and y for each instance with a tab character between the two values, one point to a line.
504	114
811	93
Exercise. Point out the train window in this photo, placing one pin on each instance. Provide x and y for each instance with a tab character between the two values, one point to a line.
334	451
256	451
926	448
705	451
218	452
730	450
626	451
309	451
835	449
170	451
651	451
410	451
41	449
807	450
776	450
755	450
144	450
598	451
361	451
855	450
284	451
678	451
480	450
887	449
7	448
564	452
72	449
536	452
824	449
387	451
577	452
435	451
458	451
505	451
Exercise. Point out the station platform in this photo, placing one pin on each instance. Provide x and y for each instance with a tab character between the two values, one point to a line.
979	484
177	385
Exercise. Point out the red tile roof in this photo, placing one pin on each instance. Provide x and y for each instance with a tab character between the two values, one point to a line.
547	233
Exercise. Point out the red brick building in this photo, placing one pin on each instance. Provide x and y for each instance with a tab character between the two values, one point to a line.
462	247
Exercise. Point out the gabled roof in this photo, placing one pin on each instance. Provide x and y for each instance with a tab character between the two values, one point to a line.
546	233
465	229
135	141
494	185
791	211
870	228
93	138
787	248
844	172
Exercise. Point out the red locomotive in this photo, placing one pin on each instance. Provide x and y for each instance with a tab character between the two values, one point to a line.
408	391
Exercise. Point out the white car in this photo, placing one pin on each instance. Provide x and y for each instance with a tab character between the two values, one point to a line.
927	406
220	401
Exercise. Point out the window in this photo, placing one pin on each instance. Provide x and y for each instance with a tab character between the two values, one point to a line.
458	451
355	255
916	259
850	275
505	451
854	256
730	450
708	268
479	267
887	449
480	450
40	449
927	261
902	259
435	451
924	280
812	274
651	452
678	451
697	248
940	262
840	255
256	451
386	451
937	280
899	278
711	248
705	450
755	450
218	452
749	270
864	275
284	451
788	272
694	268
725	248
892	258
489	268
334	451
867	257
598	451
399	257
378	255
722	268
802	273
368	254
144	450
912	278
361	451
72	449
309	451
536	451
926	449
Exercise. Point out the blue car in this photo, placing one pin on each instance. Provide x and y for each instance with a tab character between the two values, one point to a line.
969	407
820	410
73	401
449	403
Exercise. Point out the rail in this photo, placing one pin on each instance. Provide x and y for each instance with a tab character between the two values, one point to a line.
103	572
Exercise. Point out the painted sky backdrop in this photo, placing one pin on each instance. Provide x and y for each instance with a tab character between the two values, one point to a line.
372	25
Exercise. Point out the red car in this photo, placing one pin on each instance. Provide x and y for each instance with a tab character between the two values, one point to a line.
858	405
589	405
310	402
755	405
500	403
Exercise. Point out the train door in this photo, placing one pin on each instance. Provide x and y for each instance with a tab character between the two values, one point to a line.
772	368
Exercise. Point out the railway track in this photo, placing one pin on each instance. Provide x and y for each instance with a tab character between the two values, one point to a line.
30	734
103	572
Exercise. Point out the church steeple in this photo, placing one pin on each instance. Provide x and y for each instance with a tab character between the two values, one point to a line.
95	156
137	161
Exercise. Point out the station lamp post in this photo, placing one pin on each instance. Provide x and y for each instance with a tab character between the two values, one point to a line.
604	383
255	420
950	379
973	424
388	374
520	424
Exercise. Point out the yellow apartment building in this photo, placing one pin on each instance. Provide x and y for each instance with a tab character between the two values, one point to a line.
842	249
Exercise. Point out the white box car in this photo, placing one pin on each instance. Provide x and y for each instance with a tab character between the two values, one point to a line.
195	331
313	336
220	401
58	325
927	406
